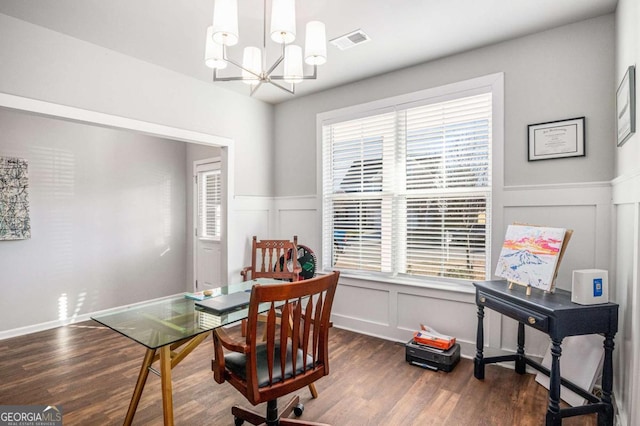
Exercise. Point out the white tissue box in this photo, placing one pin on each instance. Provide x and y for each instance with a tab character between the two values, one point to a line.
590	286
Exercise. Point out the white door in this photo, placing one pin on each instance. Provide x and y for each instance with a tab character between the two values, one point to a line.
208	208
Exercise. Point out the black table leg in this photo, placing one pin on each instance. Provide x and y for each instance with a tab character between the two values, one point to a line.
553	412
478	361
606	418
521	363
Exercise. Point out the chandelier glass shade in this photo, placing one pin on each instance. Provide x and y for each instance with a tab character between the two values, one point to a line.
223	33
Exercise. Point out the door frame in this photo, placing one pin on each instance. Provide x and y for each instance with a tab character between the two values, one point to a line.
94	118
195	212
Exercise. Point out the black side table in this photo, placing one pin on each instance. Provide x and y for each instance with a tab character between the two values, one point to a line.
555	315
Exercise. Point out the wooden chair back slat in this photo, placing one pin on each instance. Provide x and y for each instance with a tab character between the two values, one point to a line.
295	330
271	332
308	310
316	332
283	340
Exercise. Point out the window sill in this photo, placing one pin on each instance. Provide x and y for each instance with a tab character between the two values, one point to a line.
454	286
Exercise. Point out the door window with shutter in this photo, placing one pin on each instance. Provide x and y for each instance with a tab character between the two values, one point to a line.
407	190
209	204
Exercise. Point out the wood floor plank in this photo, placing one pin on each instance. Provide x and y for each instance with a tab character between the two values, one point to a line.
91	371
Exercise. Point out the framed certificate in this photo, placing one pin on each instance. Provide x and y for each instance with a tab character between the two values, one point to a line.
626	106
556	139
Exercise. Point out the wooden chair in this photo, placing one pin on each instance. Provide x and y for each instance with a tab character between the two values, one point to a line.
265	260
265	263
294	355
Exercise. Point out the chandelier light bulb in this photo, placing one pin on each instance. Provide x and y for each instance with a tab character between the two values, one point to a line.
315	46
225	22
283	21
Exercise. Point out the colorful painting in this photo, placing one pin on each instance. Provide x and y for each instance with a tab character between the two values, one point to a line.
530	255
14	200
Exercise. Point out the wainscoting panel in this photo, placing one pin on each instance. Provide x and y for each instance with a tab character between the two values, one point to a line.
299	216
625	290
435	312
301	223
583	207
393	309
363	304
252	216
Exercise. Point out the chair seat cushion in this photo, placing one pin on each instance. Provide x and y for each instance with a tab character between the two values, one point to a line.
236	363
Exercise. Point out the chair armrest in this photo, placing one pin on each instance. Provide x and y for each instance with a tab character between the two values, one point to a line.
221	339
244	272
221	336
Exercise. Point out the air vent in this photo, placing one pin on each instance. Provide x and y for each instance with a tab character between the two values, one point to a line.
351	39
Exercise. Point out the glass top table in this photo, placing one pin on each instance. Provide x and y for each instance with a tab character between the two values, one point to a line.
159	323
166	325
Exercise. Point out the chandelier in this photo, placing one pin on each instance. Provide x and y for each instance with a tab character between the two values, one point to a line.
254	71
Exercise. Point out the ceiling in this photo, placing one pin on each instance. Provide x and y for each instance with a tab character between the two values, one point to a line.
171	33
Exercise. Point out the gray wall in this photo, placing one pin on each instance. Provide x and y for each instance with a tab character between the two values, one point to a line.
108	220
553	75
42	64
626	250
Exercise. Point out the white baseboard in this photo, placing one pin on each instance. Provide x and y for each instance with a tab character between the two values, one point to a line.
21	331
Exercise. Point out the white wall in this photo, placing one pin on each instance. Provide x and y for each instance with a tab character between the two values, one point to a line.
557	74
626	250
108	220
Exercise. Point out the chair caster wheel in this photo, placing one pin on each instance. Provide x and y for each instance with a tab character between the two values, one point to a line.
298	410
238	421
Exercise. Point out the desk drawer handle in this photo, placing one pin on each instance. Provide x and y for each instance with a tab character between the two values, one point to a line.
482	300
531	320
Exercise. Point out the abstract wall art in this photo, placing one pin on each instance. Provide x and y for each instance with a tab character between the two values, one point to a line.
14	199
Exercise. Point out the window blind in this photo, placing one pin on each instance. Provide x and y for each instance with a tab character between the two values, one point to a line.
209	204
408	191
358	192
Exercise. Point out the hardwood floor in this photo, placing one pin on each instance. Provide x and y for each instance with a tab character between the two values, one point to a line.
91	371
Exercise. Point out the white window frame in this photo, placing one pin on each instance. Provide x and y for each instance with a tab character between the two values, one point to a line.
216	166
494	84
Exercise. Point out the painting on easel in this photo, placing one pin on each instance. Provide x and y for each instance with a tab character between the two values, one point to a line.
531	255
